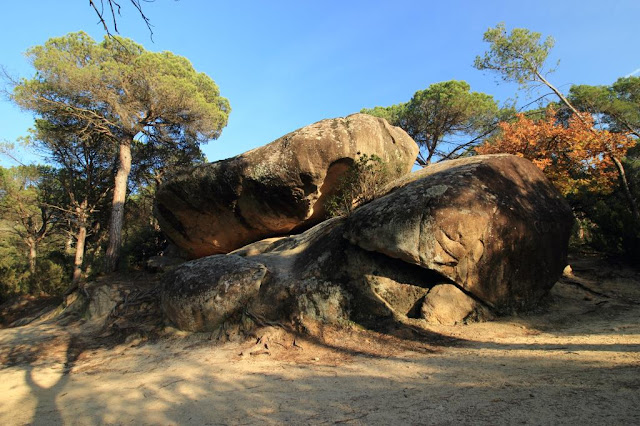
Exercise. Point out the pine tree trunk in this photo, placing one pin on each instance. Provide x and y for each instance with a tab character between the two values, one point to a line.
81	238
117	206
79	257
32	255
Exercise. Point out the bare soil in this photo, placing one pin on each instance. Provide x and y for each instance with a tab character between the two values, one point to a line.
576	360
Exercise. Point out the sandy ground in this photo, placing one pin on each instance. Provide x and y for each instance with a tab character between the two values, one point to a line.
576	361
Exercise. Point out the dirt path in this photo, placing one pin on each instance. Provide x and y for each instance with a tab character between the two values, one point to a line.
575	362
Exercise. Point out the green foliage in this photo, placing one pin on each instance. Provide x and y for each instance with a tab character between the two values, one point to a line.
119	90
363	181
50	278
142	235
445	111
445	119
518	57
141	243
153	105
608	227
394	114
617	106
26	196
14	267
13	282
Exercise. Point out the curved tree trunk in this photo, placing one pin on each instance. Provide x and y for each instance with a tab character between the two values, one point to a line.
117	206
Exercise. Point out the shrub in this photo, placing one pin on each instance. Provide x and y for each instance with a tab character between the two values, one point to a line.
141	243
49	278
13	282
362	182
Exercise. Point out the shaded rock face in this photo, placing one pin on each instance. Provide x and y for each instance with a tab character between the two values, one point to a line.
305	274
314	275
103	300
200	295
493	224
275	189
319	275
457	242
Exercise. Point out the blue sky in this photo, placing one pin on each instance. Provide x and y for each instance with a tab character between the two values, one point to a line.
286	64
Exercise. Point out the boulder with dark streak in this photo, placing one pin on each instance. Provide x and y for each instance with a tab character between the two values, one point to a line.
276	189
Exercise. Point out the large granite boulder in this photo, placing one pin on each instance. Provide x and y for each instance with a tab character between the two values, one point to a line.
275	189
274	279
456	242
494	225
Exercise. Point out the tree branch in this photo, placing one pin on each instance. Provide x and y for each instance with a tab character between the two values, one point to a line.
115	8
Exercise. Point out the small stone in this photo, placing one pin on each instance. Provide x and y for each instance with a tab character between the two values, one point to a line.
568	271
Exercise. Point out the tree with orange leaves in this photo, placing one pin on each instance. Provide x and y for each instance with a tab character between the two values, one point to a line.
520	57
573	157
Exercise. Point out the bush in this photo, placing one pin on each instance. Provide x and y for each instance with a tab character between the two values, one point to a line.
141	243
13	282
605	223
362	182
49	278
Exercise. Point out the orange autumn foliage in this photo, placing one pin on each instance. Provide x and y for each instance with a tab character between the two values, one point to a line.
572	157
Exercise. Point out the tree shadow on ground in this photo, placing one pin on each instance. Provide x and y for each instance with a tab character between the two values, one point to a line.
497	386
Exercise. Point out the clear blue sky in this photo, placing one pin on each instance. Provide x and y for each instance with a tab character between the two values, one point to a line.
286	64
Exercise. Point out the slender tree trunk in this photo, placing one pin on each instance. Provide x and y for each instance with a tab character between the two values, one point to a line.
117	206
32	255
559	95
81	238
79	257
